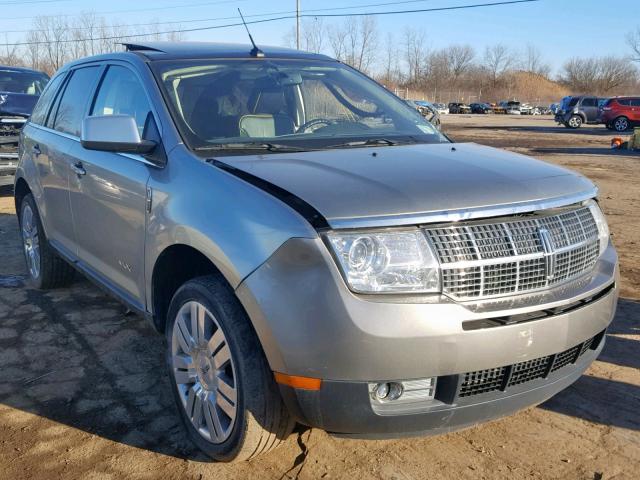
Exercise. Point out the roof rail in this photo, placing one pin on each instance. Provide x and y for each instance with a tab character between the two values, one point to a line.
136	47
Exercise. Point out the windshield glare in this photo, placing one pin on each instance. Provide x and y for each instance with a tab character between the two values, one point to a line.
30	83
298	102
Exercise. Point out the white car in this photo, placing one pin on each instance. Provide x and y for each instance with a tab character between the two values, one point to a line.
441	108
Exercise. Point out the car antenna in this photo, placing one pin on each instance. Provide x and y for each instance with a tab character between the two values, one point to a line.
255	52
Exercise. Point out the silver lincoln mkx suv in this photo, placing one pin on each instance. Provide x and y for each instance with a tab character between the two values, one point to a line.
313	249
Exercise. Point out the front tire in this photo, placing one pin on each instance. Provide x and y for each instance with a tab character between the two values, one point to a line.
621	124
46	269
225	392
574	122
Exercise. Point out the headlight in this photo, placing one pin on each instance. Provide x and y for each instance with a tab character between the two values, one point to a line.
386	262
601	223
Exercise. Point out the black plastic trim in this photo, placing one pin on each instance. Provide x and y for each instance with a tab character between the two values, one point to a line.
537	315
313	216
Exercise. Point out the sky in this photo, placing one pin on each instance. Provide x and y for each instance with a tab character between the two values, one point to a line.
559	28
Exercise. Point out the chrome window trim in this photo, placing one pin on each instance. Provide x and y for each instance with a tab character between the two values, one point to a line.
462	214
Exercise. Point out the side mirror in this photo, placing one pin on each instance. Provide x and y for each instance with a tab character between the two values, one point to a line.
114	133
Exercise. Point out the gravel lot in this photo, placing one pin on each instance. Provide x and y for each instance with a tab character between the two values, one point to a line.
84	393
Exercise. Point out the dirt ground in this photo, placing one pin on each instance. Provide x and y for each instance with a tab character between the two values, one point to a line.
84	393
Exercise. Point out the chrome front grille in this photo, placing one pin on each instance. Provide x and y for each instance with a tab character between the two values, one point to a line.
493	259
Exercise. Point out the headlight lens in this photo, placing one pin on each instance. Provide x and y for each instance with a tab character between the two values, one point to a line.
386	262
601	223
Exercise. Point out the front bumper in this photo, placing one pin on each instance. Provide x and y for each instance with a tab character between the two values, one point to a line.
344	409
311	325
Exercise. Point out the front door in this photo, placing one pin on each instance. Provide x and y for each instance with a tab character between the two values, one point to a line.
108	194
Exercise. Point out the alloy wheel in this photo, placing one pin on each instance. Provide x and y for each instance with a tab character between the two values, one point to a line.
575	122
31	241
621	124
204	372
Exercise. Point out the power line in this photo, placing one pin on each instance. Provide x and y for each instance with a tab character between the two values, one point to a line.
22	2
199	20
275	19
133	10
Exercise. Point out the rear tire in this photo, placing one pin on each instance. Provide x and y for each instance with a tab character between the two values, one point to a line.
228	400
574	122
46	269
621	124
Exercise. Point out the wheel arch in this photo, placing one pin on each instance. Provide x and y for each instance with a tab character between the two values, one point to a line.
175	265
21	190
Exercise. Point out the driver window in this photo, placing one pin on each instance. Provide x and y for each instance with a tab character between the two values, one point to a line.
122	94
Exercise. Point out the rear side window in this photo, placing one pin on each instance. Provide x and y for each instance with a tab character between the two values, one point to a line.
590	102
74	101
635	102
122	94
42	107
625	102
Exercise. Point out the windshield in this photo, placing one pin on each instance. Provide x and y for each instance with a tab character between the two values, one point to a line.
297	103
31	83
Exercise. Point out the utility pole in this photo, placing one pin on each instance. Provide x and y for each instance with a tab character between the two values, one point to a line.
298	24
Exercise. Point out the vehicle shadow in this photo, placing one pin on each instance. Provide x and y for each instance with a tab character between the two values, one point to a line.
585	151
588	130
75	356
6	191
602	400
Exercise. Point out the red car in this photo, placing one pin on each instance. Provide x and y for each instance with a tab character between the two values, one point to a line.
620	113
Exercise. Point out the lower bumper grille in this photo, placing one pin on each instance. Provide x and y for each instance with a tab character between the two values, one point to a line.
501	378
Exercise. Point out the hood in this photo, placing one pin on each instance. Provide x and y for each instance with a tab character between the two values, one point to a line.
17	104
411	184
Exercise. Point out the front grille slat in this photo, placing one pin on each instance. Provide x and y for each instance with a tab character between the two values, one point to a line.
493	259
502	378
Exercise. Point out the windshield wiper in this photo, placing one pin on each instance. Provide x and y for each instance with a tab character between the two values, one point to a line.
368	143
271	147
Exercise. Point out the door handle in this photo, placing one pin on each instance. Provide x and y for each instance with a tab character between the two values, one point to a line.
78	169
36	150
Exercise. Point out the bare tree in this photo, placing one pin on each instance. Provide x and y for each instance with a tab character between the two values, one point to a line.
614	73
415	53
355	42
581	74
532	61
338	40
604	75
312	35
498	59
633	39
391	65
53	33
459	59
10	54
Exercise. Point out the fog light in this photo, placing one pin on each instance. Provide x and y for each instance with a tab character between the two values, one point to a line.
388	391
407	396
381	391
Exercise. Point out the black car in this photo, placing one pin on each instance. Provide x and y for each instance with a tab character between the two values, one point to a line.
481	108
455	107
576	110
20	89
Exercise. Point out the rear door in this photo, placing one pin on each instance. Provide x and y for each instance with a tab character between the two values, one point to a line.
108	200
634	114
48	145
590	108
